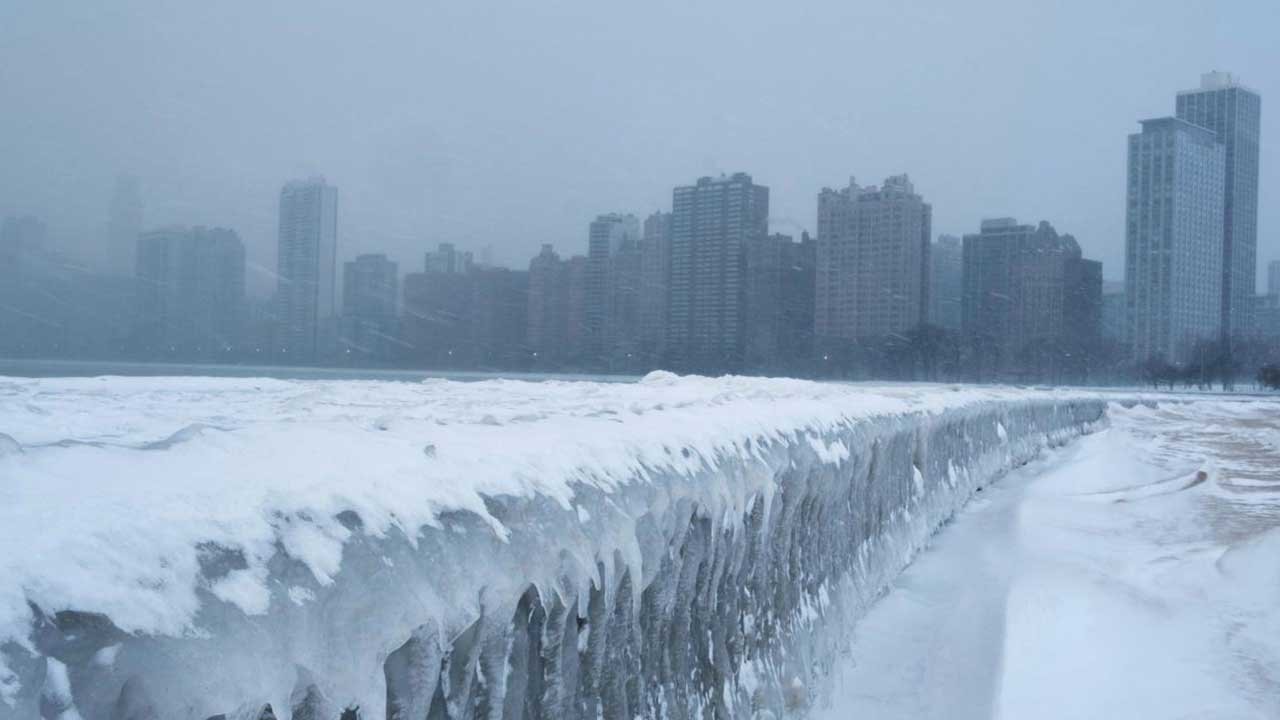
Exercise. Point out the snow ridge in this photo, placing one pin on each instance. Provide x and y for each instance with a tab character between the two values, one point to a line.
679	547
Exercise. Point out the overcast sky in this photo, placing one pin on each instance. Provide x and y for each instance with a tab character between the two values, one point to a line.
513	124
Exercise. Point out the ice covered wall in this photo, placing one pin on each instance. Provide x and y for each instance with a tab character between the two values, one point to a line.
678	547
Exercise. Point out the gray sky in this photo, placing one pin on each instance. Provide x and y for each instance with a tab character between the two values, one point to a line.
514	123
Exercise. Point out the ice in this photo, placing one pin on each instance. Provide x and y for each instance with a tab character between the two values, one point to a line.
1135	573
56	702
676	547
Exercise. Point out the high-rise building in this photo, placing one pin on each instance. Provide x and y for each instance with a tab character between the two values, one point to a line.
1114	309
54	306
306	267
499	318
1266	319
1234	113
435	323
625	280
370	294
260	328
778	314
465	315
1173	239
1273	277
655	272
548	324
190	295
799	274
873	260
124	225
575	334
1082	322
762	300
945	259
448	259
711	223
607	237
1031	304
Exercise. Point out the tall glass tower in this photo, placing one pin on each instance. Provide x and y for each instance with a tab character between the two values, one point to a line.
306	293
1234	113
1173	240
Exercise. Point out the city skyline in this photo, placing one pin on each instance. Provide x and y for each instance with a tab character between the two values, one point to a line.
708	287
414	176
671	360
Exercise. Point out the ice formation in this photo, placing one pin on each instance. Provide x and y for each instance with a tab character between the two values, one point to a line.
678	547
1132	574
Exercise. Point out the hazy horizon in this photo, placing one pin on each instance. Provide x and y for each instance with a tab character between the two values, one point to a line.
512	126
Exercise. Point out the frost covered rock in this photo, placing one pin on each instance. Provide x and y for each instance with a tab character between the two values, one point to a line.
677	547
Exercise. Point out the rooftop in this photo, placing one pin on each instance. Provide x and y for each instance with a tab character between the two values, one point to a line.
1217	80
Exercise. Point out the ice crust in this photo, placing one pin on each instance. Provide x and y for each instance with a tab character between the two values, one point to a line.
677	547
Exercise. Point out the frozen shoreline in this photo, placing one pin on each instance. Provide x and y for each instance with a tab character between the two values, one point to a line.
257	525
1131	574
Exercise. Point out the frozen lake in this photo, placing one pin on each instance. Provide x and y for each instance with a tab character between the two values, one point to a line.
1134	573
38	368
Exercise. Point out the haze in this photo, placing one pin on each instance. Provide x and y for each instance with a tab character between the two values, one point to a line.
514	124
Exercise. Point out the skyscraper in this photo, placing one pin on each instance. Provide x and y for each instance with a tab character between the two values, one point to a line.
448	259
946	260
548	324
607	235
1030	302
124	225
799	273
575	334
53	306
655	272
873	260
1273	277
711	223
762	300
436	320
625	280
778	315
1234	113
190	296
1173	239
370	294
306	270
500	317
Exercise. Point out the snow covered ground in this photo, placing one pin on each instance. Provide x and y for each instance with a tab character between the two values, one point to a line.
1134	573
186	547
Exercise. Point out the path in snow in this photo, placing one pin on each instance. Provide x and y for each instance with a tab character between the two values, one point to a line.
1135	573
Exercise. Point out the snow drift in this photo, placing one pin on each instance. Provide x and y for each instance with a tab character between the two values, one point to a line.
678	547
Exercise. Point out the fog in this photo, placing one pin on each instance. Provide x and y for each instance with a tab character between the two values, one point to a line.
513	124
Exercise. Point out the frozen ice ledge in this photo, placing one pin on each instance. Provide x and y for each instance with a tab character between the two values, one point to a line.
678	547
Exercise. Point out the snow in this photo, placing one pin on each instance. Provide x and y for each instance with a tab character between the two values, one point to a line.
211	514
57	693
1135	573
